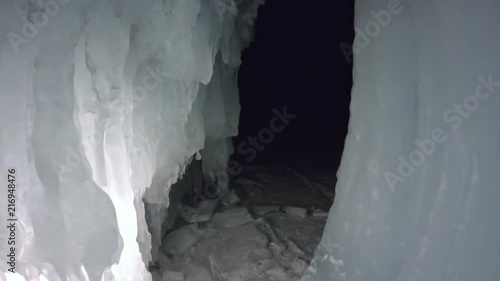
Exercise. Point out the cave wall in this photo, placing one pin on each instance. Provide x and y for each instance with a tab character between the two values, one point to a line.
417	196
103	104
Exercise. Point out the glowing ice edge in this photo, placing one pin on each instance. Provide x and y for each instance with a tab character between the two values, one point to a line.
103	103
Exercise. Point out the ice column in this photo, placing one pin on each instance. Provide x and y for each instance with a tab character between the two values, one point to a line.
418	195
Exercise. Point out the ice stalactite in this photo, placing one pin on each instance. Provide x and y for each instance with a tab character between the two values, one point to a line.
104	103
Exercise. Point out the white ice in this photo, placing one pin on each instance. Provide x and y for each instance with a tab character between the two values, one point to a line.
104	103
418	194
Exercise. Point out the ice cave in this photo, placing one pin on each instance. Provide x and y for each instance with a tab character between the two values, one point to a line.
249	140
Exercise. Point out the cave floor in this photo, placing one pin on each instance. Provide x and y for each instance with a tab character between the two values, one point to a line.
270	234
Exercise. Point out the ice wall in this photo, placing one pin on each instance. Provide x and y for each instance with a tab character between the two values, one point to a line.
418	194
104	103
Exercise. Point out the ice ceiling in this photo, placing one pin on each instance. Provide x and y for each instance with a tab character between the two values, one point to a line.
104	103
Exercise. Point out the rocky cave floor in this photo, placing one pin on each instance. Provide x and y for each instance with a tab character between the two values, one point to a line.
269	232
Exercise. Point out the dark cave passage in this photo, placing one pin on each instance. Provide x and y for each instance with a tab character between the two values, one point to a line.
294	85
295	63
218	140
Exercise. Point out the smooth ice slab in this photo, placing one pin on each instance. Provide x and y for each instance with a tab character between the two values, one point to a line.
418	196
182	239
232	217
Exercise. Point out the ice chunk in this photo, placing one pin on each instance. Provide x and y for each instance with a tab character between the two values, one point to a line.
320	214
232	217
204	212
261	254
189	213
277	246
233	198
262	210
172	276
182	239
296	211
197	272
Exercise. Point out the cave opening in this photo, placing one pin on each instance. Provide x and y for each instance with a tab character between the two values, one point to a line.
139	142
132	152
295	84
294	90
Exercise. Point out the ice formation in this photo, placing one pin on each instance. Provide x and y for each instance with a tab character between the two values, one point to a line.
103	103
417	196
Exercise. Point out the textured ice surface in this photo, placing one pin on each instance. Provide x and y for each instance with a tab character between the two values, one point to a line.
179	241
418	81
234	246
104	103
296	211
232	217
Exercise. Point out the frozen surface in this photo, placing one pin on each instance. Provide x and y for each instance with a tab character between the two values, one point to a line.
295	211
420	84
180	240
103	103
232	217
268	245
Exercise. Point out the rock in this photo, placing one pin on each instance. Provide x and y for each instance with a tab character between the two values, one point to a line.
232	218
182	239
296	211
